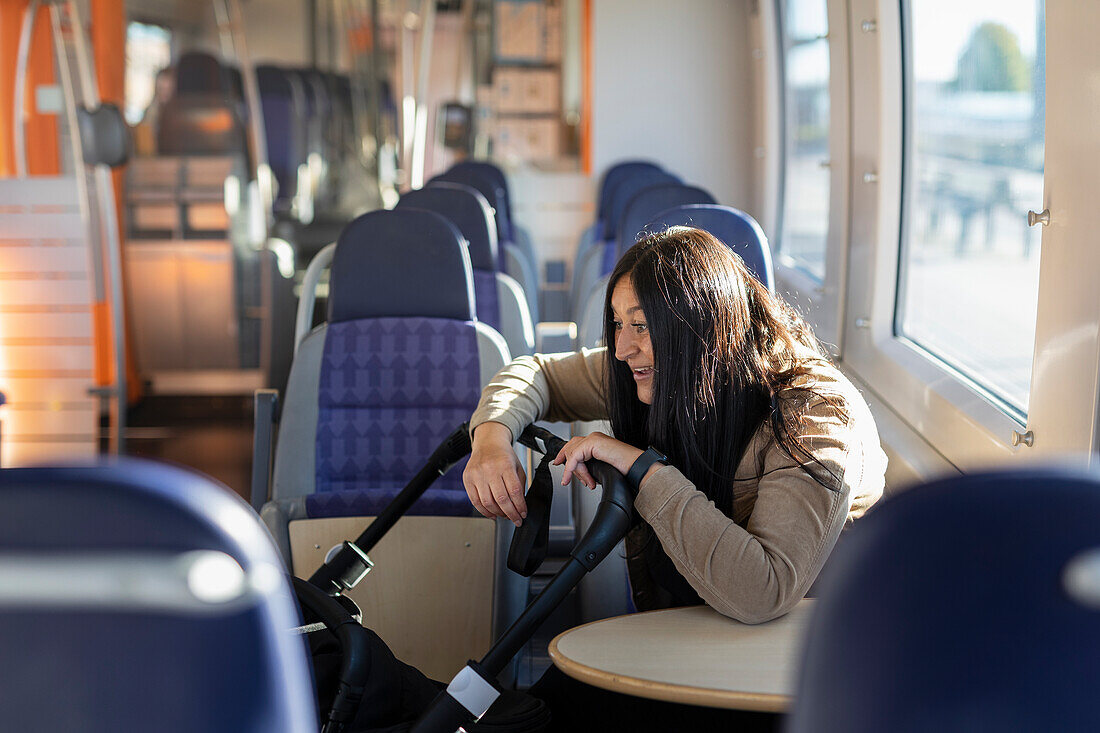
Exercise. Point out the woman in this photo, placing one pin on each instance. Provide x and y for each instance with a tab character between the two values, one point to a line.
770	450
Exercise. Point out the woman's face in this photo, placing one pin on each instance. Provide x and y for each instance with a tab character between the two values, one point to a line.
632	344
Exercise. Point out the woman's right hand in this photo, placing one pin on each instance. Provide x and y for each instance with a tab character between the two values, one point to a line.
494	478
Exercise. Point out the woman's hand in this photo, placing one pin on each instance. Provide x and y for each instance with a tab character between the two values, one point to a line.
598	446
494	478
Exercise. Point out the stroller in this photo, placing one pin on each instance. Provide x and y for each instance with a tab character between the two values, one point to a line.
368	677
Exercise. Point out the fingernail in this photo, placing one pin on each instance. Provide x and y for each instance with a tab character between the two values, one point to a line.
523	515
517	523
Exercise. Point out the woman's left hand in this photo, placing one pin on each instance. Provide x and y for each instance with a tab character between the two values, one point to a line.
598	446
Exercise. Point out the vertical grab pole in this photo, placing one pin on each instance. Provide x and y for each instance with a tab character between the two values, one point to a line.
420	97
230	22
95	254
105	196
19	108
230	25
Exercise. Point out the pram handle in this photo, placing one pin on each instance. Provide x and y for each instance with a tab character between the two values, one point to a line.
613	519
343	571
350	564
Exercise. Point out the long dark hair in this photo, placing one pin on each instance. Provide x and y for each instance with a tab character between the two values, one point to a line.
724	350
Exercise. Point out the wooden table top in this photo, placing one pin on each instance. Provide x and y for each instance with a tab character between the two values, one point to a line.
688	655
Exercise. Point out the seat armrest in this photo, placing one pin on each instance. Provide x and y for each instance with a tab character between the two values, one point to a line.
265	417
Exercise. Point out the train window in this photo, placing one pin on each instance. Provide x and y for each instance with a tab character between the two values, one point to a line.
969	266
148	50
804	219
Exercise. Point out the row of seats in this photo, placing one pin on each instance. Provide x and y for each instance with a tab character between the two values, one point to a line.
309	126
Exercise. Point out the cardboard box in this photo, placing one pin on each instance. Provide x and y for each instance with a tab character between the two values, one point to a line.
527	139
526	91
552	35
518	30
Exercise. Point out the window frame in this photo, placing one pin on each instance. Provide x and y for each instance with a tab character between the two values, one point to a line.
955	416
821	302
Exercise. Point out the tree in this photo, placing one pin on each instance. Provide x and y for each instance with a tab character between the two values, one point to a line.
992	62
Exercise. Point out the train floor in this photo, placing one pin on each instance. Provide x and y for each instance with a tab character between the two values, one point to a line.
212	435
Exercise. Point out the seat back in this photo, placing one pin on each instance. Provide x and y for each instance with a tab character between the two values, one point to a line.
593	263
282	107
500	299
625	191
372	392
735	228
615	175
641	209
970	603
516	258
138	595
494	174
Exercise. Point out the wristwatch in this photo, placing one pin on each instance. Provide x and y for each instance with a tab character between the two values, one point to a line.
637	471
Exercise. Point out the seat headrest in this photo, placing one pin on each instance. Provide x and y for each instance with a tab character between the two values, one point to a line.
651	201
493	173
626	190
735	228
614	175
466	209
406	262
200	73
488	188
273	80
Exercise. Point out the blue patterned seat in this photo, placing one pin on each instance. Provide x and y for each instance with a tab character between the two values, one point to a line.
637	213
397	367
282	107
501	302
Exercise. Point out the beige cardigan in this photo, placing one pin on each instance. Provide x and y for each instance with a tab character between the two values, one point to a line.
758	564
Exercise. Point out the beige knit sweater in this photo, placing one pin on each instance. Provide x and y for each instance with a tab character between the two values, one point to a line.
758	564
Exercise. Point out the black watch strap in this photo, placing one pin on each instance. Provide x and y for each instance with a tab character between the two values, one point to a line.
637	472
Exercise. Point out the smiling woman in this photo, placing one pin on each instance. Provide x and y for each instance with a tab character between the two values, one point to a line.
768	450
759	451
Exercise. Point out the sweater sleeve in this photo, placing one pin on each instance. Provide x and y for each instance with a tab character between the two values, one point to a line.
760	571
556	387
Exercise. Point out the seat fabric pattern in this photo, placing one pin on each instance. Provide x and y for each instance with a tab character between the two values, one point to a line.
391	389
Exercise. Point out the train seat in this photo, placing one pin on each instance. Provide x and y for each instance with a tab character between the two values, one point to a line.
138	595
282	106
588	270
519	236
398	366
641	209
739	231
968	603
501	303
595	231
632	223
514	261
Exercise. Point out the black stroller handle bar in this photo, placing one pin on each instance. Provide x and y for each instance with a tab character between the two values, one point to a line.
344	570
613	519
